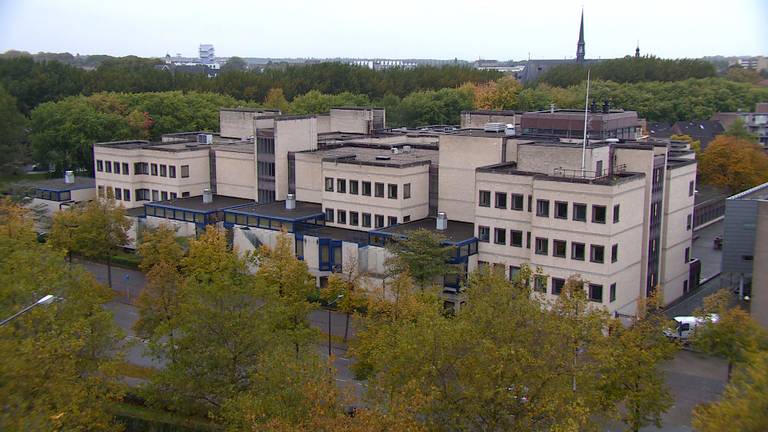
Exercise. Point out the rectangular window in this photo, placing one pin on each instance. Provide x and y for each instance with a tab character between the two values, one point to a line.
164	195
117	167
126	194
392	191
125	168
598	214
379	190
379	219
118	194
329	215
515	238
612	293
354	218
530	203
406	191
366	220
688	222
484	233
108	166
140	168
367	188
184	171
153	169
155	195
406	218
596	293
616	213
500	236
579	212
341	185
172	171
542	208
163	170
484	199
559	248
513	272
542	246
353	187
540	283
99	165
615	253
691	188
341	217
561	210
185	194
391	220
528	240
577	251
329	184
173	195
687	255
142	194
557	285
516	202
501	200
597	254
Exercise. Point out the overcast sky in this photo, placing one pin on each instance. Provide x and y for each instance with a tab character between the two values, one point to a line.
387	28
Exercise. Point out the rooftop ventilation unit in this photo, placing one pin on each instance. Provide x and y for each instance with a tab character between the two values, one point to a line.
207	196
494	127
290	202
383	157
407	149
69	177
395	150
441	221
204	138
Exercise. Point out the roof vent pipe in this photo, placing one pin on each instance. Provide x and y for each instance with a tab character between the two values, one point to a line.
551	108
69	177
442	221
207	196
290	202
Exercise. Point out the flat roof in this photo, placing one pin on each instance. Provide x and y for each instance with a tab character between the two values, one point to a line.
58	185
195	203
135	211
706	193
493	112
277	210
759	193
356	108
481	133
378	156
510	168
178	146
456	232
245	147
259	110
343	234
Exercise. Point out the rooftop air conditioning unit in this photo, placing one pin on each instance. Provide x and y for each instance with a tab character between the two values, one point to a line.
395	150
205	138
495	127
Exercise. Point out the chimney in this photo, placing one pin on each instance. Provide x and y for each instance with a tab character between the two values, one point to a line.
551	108
207	196
69	177
606	107
442	221
290	202
406	149
593	106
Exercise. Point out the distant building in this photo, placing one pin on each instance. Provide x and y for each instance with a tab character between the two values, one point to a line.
602	123
477	119
205	63
207	54
756	123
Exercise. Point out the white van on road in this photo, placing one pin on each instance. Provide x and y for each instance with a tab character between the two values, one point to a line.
682	327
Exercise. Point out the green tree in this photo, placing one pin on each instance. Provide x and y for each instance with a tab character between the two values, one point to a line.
235	63
12	134
423	255
276	99
739	130
159	245
348	288
733	163
744	406
431	107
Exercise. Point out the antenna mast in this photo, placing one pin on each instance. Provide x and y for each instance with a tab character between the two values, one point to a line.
584	143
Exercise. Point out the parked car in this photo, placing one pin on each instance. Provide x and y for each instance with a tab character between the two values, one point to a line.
683	327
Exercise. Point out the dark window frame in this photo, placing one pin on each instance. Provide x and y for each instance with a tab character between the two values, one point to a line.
561	206
481	198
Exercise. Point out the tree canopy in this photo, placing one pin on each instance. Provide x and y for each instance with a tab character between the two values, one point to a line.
734	163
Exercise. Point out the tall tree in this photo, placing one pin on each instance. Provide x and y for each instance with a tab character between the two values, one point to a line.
348	287
738	129
422	255
235	63
276	99
12	134
733	163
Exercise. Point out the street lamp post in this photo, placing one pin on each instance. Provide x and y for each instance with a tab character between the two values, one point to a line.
329	321
46	300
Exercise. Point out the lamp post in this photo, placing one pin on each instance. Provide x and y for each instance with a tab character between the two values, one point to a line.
46	300
331	303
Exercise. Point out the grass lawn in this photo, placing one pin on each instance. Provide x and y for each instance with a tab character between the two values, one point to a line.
154	416
135	371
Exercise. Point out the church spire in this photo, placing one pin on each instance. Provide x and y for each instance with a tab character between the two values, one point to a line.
637	50
580	48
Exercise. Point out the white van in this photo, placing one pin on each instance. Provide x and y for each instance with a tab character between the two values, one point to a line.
682	327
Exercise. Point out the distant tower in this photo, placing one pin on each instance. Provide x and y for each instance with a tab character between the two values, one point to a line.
207	53
580	49
637	50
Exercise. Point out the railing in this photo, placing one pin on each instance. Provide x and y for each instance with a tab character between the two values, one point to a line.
590	175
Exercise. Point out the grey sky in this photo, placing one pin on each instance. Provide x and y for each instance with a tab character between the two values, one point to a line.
389	28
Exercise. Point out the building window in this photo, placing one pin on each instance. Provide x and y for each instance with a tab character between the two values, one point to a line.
483	233
516	202
155	195
354	218
125	168
501	200
557	285
514	271
691	188
542	208
598	214
515	238
367	188
528	240
329	184
164	195
379	221
108	166
597	254
685	286
391	220
378	190
577	251
163	170
126	194
99	166
184	171
688	222
366	220
596	293
616	213
500	236
615	253
484	199
117	167
173	195
530	203
561	210
341	185
542	246
406	191
142	194
353	187
153	169
172	171
406	218
612	293
392	191
540	283
329	215
185	194
341	217
579	212
559	248
118	194
140	168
